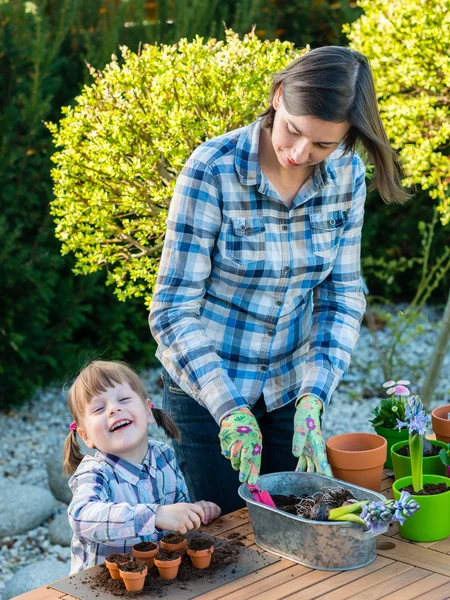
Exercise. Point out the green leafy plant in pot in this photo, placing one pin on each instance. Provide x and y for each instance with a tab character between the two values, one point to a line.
431	492
444	455
386	415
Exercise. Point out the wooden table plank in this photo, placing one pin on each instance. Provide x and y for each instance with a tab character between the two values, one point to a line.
247	580
394	584
425	558
366	583
262	587
440	593
417	589
42	593
340	579
295	585
442	546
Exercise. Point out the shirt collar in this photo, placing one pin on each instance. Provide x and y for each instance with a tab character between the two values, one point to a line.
130	471
247	160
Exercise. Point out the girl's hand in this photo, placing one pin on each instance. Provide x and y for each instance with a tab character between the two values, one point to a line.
211	510
241	442
308	445
181	517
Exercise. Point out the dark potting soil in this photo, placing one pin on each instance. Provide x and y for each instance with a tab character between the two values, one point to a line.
167	555
145	546
286	503
118	558
133	565
429	489
173	538
199	543
404	450
154	585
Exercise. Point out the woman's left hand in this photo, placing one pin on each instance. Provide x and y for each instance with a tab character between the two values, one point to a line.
308	444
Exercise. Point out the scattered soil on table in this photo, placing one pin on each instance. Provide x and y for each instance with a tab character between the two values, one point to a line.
133	565
145	546
167	555
429	489
173	538
118	558
404	450
154	586
199	543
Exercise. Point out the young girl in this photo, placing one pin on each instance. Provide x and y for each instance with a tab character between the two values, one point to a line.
132	489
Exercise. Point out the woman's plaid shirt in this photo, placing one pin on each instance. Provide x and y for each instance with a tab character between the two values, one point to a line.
115	501
252	296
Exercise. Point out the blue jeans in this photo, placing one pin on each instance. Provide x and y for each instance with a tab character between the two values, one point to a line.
208	474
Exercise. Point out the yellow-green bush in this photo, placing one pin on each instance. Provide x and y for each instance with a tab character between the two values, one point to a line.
123	144
408	44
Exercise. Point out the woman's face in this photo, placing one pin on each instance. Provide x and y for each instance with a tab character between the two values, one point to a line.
301	142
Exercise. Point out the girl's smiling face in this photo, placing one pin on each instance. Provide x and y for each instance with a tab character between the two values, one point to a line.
302	141
116	422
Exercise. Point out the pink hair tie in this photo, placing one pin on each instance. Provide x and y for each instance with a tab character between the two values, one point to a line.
73	426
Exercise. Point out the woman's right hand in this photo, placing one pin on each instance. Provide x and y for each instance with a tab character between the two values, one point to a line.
241	442
181	517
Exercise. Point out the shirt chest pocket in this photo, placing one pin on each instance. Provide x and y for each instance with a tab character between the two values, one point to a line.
326	230
245	240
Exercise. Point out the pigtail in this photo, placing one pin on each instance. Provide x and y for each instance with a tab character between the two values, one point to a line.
72	455
167	424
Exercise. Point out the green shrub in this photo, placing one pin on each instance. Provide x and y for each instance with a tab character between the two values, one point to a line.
121	147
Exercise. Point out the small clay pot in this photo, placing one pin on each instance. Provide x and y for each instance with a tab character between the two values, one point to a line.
180	547
201	559
134	580
147	556
358	458
441	423
168	569
113	567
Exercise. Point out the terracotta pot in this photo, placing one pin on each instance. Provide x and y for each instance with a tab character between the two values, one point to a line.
134	580
181	547
358	458
147	557
441	424
168	569
201	559
113	569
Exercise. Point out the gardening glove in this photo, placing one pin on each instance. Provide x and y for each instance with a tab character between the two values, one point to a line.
241	442
308	444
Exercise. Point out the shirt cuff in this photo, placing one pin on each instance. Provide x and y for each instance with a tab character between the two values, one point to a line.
144	519
319	382
230	398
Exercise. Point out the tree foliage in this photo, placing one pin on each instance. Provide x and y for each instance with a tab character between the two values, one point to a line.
408	44
121	147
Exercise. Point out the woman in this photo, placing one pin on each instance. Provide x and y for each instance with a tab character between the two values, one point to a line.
258	301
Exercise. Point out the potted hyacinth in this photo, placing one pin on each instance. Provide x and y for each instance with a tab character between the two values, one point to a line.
431	492
386	414
400	451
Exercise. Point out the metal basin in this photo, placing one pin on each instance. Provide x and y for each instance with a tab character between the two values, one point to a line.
324	545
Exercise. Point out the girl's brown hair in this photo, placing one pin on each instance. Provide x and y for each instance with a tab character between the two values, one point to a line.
94	379
335	84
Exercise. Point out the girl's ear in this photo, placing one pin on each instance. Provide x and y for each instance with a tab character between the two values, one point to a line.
277	97
150	417
84	436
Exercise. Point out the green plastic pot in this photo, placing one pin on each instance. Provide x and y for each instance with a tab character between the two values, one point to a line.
432	521
432	465
392	436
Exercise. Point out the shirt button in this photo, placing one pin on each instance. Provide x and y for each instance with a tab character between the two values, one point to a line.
119	532
332	221
287	269
263	368
242	227
284	228
271	333
278	303
146	486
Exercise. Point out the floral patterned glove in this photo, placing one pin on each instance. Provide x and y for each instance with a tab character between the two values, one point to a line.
241	442
308	444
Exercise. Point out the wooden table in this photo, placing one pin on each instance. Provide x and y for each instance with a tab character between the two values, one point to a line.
401	571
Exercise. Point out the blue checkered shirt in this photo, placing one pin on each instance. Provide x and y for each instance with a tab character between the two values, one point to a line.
114	502
254	297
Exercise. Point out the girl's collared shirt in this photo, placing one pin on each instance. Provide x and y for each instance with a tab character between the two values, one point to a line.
253	296
114	502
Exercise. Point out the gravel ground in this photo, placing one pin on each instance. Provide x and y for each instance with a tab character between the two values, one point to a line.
37	428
